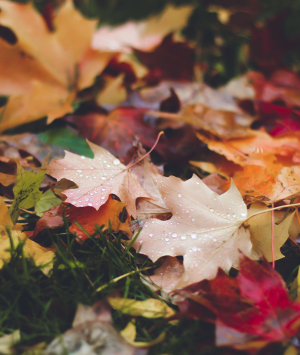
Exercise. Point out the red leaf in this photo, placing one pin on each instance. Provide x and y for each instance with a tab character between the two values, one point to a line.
252	310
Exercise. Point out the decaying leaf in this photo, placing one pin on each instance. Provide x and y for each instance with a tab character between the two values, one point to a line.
206	229
26	191
42	73
97	179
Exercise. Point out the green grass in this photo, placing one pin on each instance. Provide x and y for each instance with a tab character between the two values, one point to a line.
43	307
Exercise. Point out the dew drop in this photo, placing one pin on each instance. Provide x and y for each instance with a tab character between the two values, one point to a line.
167	239
90	204
95	177
79	171
103	198
82	157
174	235
150	235
193	219
80	175
103	189
87	176
179	195
211	210
103	178
228	215
234	215
194	236
194	248
183	237
243	214
116	162
108	165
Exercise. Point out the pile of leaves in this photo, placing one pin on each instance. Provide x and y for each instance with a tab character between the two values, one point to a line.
145	206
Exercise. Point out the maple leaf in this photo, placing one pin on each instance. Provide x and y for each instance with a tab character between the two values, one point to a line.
252	310
107	215
97	179
205	228
42	70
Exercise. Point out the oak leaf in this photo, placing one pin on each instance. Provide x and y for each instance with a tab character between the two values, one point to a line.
206	229
97	179
41	70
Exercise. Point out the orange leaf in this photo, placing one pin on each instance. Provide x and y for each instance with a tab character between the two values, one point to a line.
108	215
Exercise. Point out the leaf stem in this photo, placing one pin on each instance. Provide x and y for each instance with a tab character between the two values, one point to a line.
272	209
272	236
155	144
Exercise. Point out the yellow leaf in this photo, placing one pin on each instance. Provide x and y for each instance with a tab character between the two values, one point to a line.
260	230
39	254
151	308
41	73
129	332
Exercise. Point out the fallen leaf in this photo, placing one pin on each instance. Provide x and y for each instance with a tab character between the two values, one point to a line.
147	174
26	191
223	124
206	229
97	179
251	150
7	179
260	231
150	308
42	73
108	216
7	341
50	219
91	334
113	93
252	310
166	276
40	255
47	201
143	35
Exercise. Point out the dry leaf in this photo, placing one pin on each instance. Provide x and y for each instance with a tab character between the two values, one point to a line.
260	231
150	308
42	72
147	174
107	215
206	229
145	35
39	254
251	150
166	276
97	179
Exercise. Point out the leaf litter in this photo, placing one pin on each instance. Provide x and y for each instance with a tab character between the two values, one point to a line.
155	239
